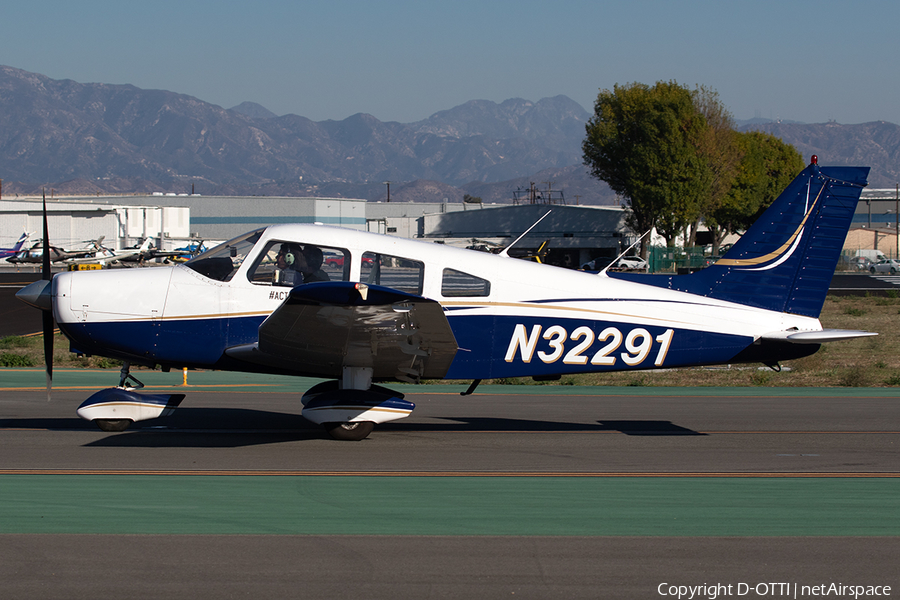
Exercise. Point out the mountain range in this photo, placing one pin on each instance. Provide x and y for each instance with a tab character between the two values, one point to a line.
98	138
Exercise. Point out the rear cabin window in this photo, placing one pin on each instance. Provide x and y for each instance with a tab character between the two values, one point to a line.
395	272
293	263
456	284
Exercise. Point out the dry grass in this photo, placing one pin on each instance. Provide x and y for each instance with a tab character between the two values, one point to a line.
865	362
28	351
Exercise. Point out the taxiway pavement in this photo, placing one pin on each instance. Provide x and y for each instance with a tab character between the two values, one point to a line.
739	486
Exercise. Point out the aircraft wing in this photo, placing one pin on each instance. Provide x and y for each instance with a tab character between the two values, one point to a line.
322	327
90	259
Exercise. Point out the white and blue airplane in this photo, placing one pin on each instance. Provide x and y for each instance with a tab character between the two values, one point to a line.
390	309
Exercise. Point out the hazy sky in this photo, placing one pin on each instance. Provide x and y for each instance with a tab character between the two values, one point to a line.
403	61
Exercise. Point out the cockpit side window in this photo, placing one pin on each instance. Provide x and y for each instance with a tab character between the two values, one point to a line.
456	284
223	261
403	274
292	263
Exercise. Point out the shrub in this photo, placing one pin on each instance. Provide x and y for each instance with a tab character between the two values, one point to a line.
11	359
853	377
893	380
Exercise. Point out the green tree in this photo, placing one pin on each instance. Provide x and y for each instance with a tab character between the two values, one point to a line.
766	167
721	151
644	142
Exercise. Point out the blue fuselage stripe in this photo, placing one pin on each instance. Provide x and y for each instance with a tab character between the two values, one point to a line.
490	346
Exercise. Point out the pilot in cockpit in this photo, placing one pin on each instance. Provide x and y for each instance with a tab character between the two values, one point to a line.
286	263
310	264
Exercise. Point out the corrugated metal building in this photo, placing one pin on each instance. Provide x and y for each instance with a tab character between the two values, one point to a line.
73	222
224	217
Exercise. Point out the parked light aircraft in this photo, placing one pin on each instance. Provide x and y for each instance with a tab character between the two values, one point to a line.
35	254
404	310
148	253
8	252
103	255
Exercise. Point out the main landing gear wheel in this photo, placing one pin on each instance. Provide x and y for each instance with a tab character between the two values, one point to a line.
352	431
112	424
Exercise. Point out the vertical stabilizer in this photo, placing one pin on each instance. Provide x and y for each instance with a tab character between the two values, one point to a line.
786	260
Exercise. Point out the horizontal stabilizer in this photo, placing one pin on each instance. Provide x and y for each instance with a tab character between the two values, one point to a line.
816	337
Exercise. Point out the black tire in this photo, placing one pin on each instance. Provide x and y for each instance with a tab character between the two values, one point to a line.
893	270
351	432
872	270
113	424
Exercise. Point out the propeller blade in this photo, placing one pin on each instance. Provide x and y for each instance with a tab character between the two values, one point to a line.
45	263
47	315
47	319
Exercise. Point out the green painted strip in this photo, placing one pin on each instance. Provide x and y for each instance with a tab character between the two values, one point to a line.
96	379
118	504
34	377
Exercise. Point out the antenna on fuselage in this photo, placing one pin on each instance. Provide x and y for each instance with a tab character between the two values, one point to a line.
606	268
516	241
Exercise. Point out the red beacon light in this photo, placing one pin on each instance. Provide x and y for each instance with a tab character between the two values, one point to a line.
814	160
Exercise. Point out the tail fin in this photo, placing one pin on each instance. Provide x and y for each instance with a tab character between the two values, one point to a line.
21	242
786	260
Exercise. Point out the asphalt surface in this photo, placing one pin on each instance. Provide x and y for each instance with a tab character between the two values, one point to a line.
484	432
661	448
722	451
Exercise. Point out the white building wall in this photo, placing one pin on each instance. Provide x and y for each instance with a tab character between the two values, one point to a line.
73	225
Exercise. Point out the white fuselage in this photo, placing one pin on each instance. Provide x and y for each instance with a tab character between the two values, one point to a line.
530	318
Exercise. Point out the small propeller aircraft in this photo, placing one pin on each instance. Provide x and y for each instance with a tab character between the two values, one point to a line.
8	252
38	250
103	255
404	310
146	252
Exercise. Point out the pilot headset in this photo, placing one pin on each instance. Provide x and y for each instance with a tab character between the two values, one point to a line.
288	253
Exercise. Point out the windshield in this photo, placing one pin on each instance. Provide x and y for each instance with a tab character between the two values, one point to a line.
223	261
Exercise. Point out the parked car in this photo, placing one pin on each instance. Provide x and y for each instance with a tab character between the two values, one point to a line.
626	263
334	260
887	265
632	263
861	263
597	264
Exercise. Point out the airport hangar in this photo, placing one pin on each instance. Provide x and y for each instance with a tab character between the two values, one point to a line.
569	236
